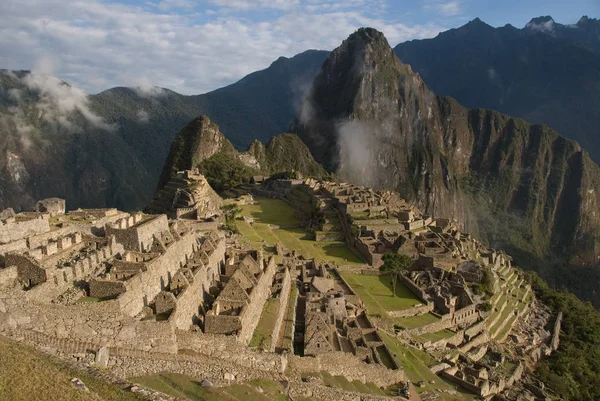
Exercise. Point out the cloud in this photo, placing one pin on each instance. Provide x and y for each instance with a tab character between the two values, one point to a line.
144	87
176	44
56	103
143	116
542	26
448	9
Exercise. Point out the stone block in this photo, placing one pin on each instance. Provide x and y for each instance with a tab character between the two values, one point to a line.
102	357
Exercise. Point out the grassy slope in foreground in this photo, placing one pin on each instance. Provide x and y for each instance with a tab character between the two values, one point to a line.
25	373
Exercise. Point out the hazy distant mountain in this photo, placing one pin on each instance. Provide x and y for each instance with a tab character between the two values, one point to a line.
108	149
544	73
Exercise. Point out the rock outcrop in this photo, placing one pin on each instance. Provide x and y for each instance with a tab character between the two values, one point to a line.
373	121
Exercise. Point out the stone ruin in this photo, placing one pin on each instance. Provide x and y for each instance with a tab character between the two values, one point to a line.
450	266
187	195
247	279
162	283
335	320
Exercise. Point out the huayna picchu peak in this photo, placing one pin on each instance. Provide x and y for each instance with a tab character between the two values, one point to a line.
521	187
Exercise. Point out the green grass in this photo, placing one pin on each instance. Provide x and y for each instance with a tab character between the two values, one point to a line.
266	212
437	336
184	387
271	211
89	299
376	293
262	336
27	374
343	383
414	322
288	335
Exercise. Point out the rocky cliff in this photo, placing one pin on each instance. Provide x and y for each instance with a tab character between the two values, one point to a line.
373	121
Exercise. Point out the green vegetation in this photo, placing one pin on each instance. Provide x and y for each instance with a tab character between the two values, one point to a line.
345	384
412	322
573	371
276	221
437	336
376	293
262	336
224	171
185	387
487	287
27	374
231	212
394	264
288	334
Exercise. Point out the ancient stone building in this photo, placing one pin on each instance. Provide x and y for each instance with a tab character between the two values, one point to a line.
239	304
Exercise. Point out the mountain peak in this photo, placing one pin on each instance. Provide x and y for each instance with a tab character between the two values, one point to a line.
543	24
368	34
585	20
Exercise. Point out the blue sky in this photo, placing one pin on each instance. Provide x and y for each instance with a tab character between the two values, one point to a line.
196	46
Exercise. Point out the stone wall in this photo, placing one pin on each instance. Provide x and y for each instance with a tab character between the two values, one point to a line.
14	229
412	311
30	271
98	322
106	288
556	332
42	239
284	295
434	327
314	391
347	365
258	297
186	312
144	286
419	293
138	236
227	348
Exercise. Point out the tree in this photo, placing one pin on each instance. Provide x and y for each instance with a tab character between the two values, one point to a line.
395	263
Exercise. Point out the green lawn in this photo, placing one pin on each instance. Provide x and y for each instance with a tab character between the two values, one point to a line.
437	336
262	336
345	384
414	322
28	374
266	212
185	387
271	211
376	293
288	335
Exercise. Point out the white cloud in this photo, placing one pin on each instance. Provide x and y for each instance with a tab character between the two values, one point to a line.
448	9
143	116
96	45
547	26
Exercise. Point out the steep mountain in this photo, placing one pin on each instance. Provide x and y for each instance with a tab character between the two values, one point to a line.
521	187
201	144
51	144
111	146
545	73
